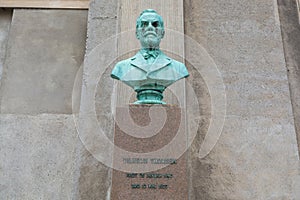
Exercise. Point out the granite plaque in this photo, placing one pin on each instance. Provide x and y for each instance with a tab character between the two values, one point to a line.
152	163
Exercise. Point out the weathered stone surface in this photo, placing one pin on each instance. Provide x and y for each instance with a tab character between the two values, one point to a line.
94	178
260	162
37	156
256	156
102	22
45	50
257	95
5	19
290	29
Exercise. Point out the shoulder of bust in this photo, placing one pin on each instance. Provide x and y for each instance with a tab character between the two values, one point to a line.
123	62
121	67
180	68
177	63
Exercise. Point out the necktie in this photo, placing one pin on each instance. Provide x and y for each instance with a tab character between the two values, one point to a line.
150	56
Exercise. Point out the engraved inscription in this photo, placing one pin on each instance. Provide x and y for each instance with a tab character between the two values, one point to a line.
149	176
135	160
142	175
138	176
149	186
161	161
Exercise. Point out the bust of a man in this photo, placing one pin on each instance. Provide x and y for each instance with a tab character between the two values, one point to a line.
150	71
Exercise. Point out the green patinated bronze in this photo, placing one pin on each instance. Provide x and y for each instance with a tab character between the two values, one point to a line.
150	71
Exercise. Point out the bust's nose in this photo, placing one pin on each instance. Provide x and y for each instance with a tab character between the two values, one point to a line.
150	27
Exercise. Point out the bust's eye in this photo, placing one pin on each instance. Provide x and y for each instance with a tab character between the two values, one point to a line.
144	24
155	24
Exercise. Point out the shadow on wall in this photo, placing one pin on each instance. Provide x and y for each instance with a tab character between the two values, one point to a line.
290	29
5	21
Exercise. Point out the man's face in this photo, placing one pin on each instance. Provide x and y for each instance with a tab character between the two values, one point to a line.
150	30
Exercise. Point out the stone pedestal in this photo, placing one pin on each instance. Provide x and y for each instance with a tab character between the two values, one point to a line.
149	159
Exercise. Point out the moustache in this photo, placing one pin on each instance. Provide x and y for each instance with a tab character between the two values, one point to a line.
150	33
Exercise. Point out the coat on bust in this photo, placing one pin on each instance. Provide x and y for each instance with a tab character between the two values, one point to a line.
138	74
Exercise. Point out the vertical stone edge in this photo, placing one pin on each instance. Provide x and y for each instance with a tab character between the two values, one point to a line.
93	179
290	32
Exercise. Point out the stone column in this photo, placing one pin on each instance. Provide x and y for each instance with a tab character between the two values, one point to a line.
106	20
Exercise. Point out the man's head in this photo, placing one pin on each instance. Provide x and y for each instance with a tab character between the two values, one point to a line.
150	29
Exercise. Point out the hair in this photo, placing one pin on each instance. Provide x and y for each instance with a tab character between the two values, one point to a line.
138	21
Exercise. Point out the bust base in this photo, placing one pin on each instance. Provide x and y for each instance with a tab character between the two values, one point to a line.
149	96
149	101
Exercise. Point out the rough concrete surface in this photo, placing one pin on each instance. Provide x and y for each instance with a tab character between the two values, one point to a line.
102	22
44	51
5	20
37	156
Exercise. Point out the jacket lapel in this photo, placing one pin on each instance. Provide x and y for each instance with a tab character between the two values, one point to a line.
139	62
161	61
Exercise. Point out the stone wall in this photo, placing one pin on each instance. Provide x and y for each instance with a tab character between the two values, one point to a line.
256	156
38	140
44	52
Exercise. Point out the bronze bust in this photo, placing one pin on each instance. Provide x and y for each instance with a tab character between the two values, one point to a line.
150	71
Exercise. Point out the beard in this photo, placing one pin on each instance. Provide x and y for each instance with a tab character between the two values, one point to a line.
151	42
